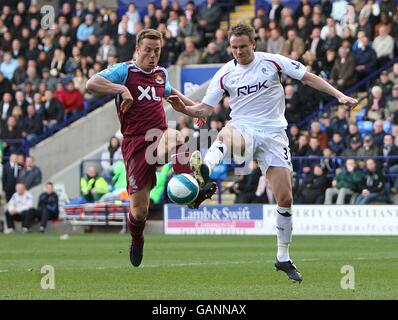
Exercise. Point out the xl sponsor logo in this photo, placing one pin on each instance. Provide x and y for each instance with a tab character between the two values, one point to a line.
245	90
148	93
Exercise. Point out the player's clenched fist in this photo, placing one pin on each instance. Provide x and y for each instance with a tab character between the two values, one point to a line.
127	100
177	104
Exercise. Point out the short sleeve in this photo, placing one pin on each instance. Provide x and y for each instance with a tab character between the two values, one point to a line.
167	86
292	68
216	88
116	74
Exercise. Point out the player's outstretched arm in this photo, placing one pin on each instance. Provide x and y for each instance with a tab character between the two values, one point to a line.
199	110
185	99
101	86
320	84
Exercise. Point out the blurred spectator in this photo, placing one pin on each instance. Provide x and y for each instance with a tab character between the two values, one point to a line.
52	111
86	29
332	40
378	133
276	42
190	55
384	83
93	186
314	151
5	85
375	106
393	75
6	106
365	58
262	15
292	103
343	73
339	9
391	110
246	187
32	124
372	184
124	48
71	99
11	132
339	123
90	49
47	208
346	183
133	15
294	135
80	81
321	136
261	40
8	66
353	132
172	23
107	49
20	73
221	41
368	149
31	174
353	147
186	29
212	54
315	44
209	19
293	43
314	186
388	149
109	157
383	45
275	11
337	144
327	64
10	175
20	208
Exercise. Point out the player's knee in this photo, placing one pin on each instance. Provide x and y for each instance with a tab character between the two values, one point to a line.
285	200
139	212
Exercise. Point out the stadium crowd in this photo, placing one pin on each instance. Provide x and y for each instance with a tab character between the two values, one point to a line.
43	72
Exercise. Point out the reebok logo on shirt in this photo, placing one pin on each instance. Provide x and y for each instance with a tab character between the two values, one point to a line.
245	90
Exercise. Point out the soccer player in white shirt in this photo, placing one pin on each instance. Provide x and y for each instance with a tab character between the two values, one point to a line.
257	126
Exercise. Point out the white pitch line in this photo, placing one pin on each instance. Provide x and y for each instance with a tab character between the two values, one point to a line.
194	264
3	271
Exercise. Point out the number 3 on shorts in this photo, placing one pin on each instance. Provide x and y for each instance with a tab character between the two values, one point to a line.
286	153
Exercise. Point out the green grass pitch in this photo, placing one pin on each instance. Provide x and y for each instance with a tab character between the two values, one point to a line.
96	266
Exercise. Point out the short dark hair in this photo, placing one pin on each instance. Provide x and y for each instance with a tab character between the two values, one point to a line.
242	29
148	34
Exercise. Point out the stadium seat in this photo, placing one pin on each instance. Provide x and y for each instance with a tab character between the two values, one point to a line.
360	114
365	127
387	126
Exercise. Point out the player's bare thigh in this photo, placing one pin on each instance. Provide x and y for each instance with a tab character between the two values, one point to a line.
281	185
233	139
139	203
169	140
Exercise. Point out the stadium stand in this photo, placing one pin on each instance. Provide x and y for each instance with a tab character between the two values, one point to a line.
43	70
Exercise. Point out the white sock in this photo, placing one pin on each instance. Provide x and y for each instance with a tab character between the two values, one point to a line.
284	228
215	154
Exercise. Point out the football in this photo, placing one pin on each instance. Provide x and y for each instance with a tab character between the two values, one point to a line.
182	189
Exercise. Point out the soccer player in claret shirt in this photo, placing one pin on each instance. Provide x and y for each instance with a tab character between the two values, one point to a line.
258	124
139	86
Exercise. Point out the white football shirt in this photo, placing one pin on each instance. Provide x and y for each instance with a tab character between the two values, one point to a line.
256	94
